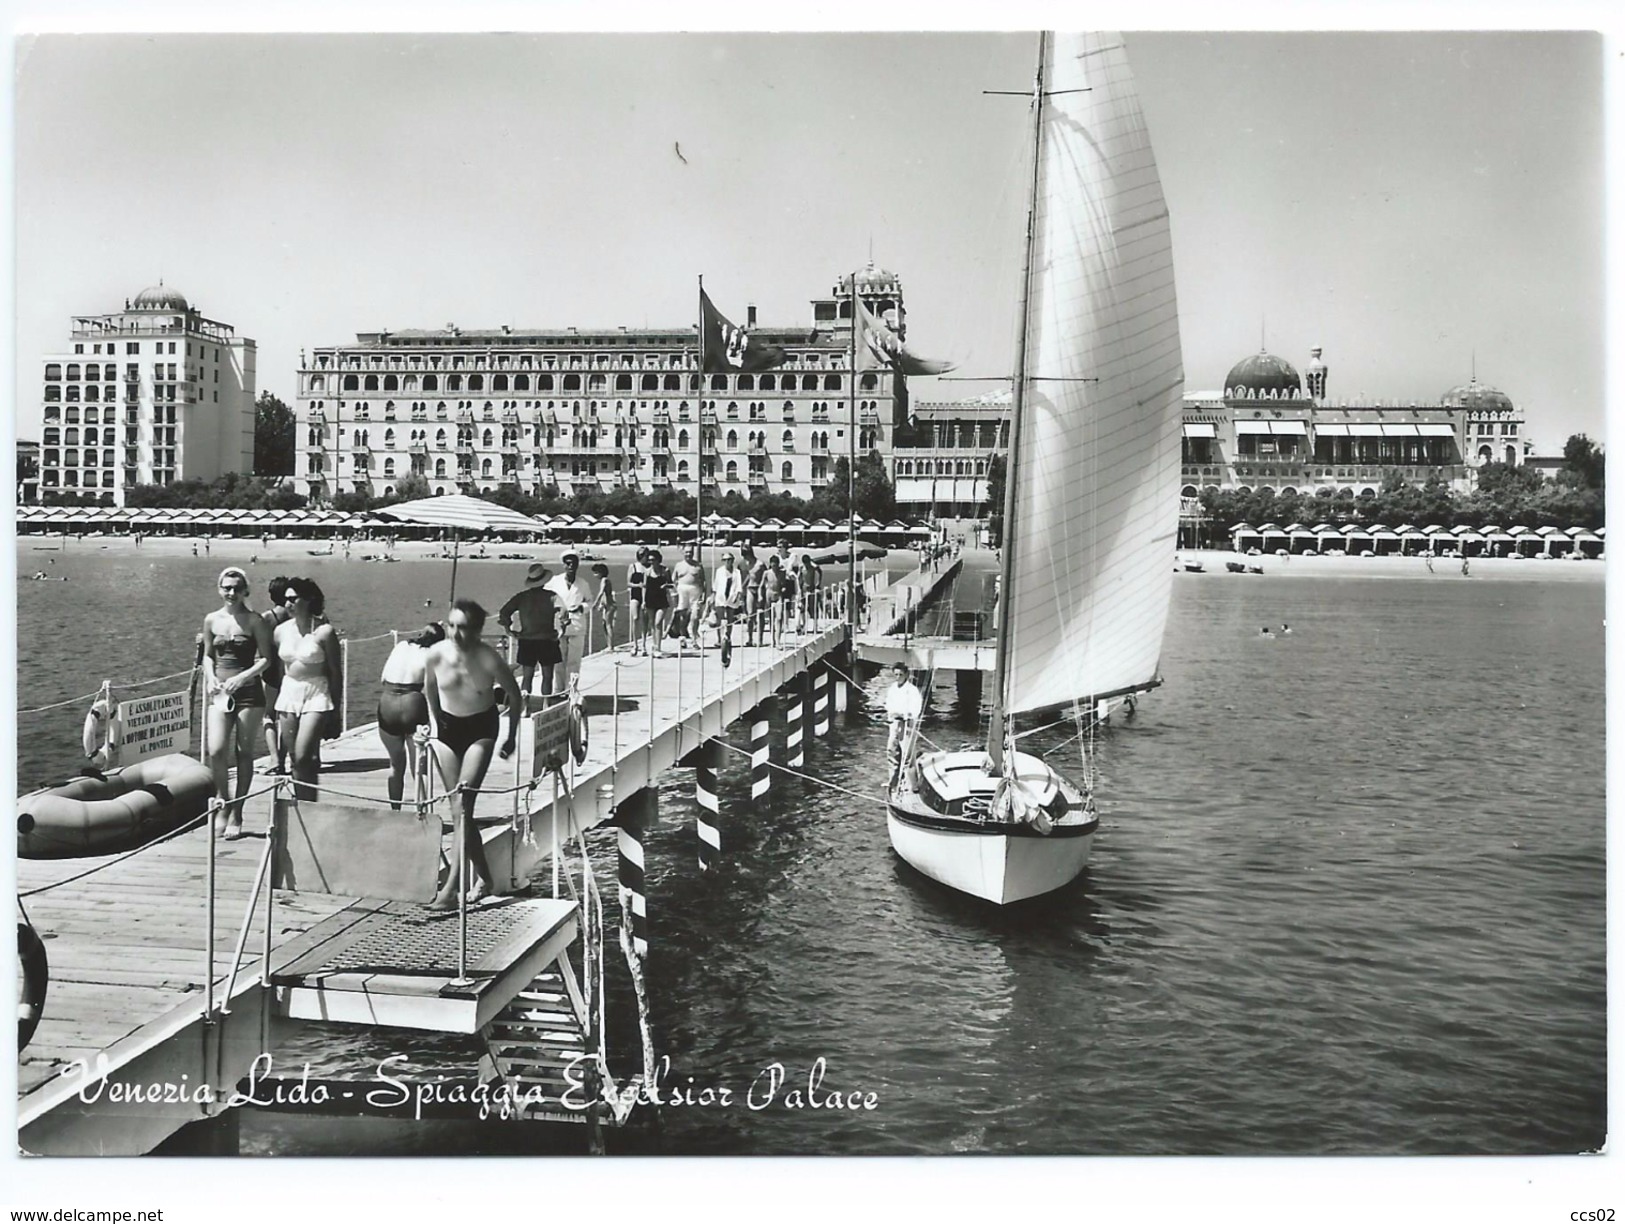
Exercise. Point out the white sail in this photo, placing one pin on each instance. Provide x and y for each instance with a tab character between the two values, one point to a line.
1096	475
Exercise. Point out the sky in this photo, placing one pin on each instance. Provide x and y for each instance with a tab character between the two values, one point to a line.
1423	205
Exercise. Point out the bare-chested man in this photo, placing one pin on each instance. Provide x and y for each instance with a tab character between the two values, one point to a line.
459	676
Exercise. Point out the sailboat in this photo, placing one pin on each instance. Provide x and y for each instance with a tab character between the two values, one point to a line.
1091	506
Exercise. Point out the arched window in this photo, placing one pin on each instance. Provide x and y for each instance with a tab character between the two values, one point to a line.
440	469
768	382
53	437
672	382
719	382
649	382
809	382
623	382
431	382
409	384
352	383
499	382
318	382
832	382
90	437
440	438
789	439
389	439
732	470
733	439
370	383
682	469
682	439
476	382
389	467
521	382
485	468
572	382
869	382
391	383
787	472
544	382
454	382
486	438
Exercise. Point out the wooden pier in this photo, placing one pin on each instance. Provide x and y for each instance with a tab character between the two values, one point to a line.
152	1019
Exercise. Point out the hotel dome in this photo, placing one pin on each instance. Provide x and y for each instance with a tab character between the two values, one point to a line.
157	297
1476	396
1263	376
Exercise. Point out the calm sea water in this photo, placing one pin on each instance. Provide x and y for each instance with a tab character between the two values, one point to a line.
1348	895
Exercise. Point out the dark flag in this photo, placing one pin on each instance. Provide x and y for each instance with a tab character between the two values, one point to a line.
726	349
880	347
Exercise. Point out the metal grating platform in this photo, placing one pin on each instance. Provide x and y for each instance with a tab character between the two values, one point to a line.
422	943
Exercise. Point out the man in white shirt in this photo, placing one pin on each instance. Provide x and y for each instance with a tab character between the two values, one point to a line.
904	705
727	598
574	598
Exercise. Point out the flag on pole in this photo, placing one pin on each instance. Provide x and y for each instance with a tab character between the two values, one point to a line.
881	348
726	349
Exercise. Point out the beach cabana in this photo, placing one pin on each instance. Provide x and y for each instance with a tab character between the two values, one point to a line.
1302	539
1328	539
1243	537
1413	542
1385	541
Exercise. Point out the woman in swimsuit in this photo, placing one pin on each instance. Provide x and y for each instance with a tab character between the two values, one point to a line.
603	603
309	651
657	600
402	708
635	574
236	652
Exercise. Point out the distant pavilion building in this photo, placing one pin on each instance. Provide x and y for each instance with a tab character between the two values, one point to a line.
1267	427
151	394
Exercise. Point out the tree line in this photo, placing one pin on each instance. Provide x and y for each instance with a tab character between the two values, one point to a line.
1504	495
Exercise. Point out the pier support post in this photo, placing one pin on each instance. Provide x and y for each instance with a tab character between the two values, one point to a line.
761	748
795	723
707	763
818	677
632	817
969	686
843	663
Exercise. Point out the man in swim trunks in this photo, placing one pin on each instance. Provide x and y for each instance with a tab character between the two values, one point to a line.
459	677
689	575
538	631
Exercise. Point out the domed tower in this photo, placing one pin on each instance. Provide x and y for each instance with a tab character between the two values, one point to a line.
1262	378
1491	425
158	297
881	293
1315	375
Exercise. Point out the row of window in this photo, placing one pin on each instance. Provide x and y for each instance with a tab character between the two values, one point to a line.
756	409
94	416
942	467
526	361
164	456
660	436
600	383
106	437
315	465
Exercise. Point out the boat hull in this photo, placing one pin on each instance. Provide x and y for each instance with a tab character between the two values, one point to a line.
1002	861
998	866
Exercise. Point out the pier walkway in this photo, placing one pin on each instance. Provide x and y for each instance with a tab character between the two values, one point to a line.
140	961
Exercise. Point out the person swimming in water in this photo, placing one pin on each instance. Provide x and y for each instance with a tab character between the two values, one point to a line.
1285	629
1265	632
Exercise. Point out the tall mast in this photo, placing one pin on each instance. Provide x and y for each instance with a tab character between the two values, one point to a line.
1018	399
699	454
852	463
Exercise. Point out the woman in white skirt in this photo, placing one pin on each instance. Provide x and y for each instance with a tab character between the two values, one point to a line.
310	677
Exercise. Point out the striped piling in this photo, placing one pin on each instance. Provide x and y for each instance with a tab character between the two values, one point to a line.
707	761
818	679
795	724
632	818
761	749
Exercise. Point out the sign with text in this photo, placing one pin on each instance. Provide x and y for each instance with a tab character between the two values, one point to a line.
153	726
552	742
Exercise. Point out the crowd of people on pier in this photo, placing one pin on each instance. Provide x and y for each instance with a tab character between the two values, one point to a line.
280	672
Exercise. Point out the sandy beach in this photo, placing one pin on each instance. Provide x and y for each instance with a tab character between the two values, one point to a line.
289	552
1497	569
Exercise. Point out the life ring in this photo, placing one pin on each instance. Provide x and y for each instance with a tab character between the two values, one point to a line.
97	739
578	733
125	809
36	976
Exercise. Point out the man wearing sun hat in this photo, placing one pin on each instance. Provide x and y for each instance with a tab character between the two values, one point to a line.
574	598
538	631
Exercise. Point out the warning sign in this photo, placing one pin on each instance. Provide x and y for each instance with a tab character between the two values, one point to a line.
153	726
552	743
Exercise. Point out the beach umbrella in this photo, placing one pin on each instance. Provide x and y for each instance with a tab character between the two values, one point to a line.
867	550
459	513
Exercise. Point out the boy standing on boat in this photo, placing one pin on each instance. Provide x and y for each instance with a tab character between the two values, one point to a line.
459	678
904	705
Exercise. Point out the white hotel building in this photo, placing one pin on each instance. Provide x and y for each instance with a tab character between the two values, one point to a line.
592	409
152	394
